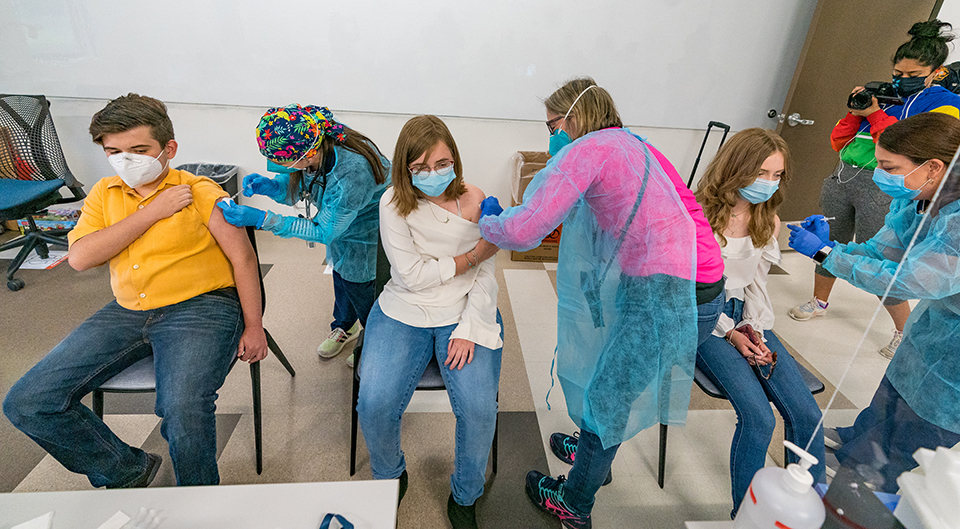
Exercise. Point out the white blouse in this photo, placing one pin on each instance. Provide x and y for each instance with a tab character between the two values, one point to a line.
423	290
745	268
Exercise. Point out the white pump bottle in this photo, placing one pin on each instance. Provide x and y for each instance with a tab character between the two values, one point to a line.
780	497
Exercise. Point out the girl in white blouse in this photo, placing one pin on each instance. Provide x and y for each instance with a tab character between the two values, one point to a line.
740	195
441	301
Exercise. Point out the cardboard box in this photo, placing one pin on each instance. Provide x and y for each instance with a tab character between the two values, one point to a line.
528	164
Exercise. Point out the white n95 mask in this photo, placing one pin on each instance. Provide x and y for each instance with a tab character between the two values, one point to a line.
136	169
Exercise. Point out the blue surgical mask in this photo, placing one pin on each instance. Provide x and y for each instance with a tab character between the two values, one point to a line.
274	167
760	190
558	140
894	185
434	183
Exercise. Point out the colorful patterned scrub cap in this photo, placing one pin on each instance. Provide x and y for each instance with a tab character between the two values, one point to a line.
287	134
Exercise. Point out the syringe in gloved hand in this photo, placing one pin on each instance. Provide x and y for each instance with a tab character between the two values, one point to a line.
799	222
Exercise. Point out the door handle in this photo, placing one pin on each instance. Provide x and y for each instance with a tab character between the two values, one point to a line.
794	119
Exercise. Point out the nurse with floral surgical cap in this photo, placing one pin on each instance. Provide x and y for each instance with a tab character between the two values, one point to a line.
342	174
630	269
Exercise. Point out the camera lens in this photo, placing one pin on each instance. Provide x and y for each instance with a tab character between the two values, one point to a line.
860	100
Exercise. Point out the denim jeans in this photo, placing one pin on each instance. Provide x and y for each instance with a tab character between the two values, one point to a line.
751	394
351	302
889	427
193	343
707	315
394	357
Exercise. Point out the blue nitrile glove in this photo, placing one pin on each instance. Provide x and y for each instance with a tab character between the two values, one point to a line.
806	242
241	216
816	225
257	184
490	206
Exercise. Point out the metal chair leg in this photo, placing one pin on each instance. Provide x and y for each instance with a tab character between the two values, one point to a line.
663	454
98	403
257	425
496	435
354	419
272	344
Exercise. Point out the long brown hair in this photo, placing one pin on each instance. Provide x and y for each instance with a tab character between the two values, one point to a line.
594	111
355	142
736	166
418	137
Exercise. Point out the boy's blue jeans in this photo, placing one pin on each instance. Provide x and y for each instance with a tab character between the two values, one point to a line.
193	343
394	357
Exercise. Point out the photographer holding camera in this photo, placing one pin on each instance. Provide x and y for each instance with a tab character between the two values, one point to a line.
849	194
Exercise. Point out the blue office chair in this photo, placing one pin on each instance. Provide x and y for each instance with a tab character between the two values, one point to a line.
32	171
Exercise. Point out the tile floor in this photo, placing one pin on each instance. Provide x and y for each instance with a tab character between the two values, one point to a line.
307	418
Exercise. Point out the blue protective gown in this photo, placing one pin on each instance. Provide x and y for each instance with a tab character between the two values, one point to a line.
626	315
926	369
347	220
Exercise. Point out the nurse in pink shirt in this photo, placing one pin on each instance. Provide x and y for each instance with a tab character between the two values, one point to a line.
637	261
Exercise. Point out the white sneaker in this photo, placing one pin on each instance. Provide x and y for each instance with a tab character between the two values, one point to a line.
810	309
334	343
890	349
350	360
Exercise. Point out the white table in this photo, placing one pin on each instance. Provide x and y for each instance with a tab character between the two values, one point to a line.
708	525
367	504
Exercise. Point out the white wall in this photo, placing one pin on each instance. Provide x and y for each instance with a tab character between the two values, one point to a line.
225	134
677	63
950	12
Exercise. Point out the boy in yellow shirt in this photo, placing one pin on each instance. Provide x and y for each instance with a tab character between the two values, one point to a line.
188	292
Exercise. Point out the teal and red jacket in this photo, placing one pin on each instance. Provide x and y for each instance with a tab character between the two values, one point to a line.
854	137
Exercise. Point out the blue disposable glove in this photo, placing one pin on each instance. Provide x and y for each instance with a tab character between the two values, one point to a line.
241	216
257	184
490	206
806	242
816	225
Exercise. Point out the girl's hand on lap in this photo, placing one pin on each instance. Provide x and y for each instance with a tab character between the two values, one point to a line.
755	355
459	353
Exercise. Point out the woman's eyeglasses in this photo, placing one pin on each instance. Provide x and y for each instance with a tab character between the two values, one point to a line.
550	124
424	168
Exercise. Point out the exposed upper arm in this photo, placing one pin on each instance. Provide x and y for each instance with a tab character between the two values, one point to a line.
776	226
470	202
233	240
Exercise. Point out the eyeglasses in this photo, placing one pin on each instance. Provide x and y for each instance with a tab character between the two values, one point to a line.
772	365
550	124
424	168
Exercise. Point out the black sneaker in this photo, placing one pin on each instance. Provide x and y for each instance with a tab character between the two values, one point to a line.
461	516
547	494
145	479
565	448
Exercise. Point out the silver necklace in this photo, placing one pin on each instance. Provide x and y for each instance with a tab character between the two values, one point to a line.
434	213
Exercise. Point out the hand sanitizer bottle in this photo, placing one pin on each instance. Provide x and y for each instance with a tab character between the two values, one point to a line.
781	498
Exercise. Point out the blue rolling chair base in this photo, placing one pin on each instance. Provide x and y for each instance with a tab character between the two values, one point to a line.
704	383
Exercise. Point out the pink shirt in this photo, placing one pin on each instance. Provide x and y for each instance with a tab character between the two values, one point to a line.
709	260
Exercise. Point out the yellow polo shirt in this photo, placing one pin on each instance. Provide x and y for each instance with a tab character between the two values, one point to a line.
175	259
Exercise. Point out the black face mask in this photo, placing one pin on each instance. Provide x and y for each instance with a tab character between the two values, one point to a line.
907	86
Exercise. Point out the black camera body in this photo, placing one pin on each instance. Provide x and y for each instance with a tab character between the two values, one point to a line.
884	92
